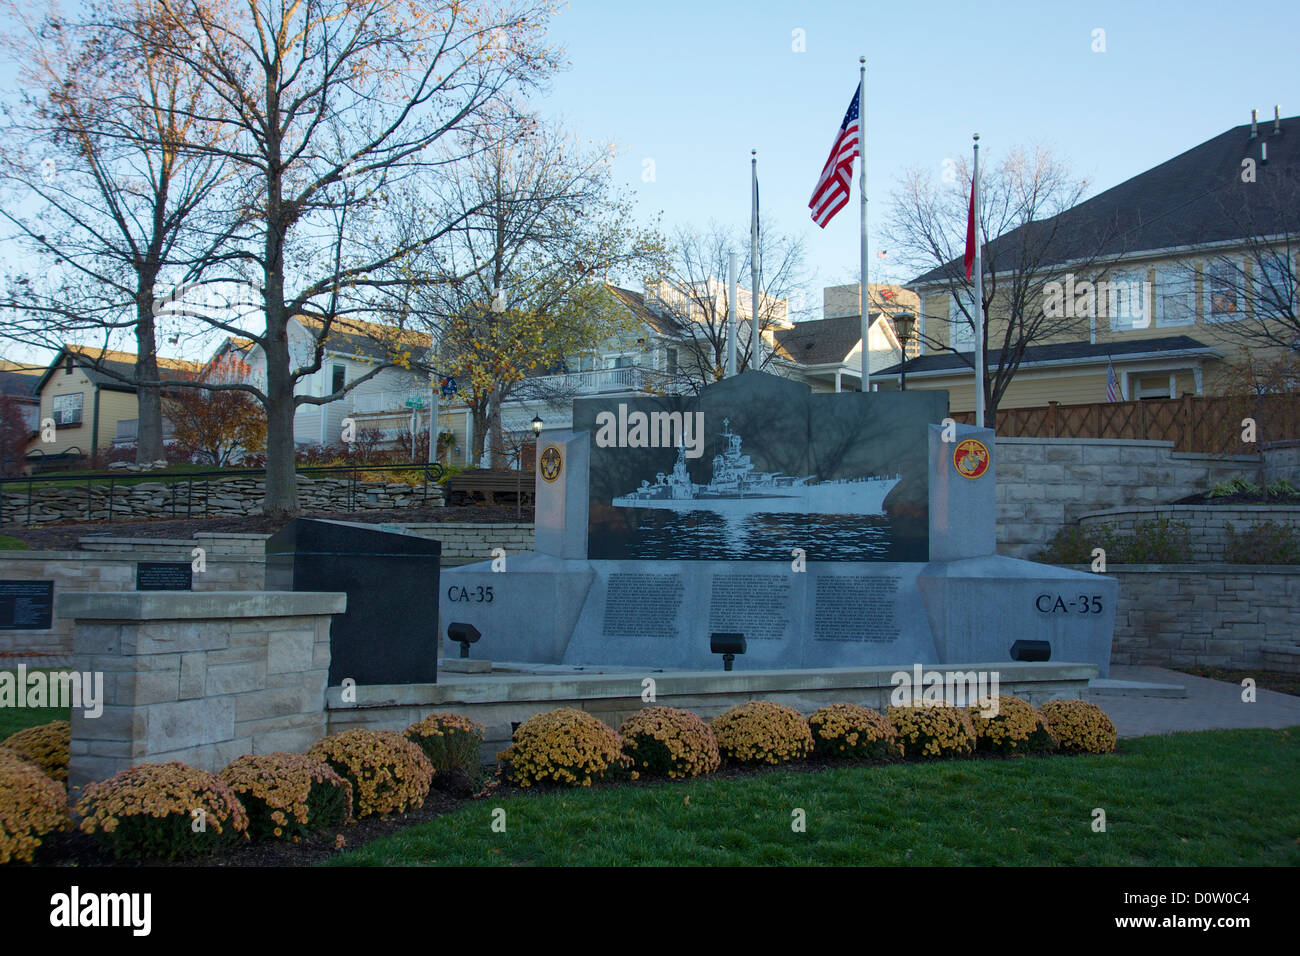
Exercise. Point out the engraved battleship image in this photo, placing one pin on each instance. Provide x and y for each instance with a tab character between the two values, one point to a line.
737	488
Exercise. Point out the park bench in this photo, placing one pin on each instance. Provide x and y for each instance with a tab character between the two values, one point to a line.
490	486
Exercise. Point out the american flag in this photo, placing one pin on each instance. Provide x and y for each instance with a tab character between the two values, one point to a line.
1112	383
832	192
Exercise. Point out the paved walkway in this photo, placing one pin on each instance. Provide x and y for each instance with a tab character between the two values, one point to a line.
1209	705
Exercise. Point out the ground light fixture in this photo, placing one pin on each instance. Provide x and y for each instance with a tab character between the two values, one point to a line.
728	645
464	635
1031	651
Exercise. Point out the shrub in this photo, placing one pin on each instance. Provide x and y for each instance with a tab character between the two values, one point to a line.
288	794
1234	486
387	772
162	810
935	729
45	745
451	742
762	732
1072	544
31	807
563	746
665	741
1081	726
853	732
1267	542
1017	728
1152	541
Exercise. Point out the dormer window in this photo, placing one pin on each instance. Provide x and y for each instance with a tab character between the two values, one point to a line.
67	365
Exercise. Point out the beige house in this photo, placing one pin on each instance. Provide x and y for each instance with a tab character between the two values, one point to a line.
1162	298
87	396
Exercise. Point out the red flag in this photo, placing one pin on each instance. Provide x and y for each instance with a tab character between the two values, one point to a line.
970	232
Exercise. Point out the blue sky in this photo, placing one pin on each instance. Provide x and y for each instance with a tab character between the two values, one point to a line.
695	86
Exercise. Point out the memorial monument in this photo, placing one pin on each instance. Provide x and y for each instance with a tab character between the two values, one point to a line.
831	530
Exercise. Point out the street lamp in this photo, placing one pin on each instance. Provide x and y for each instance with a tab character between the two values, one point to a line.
537	425
904	324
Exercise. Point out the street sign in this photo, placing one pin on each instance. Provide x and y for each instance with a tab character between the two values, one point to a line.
415	403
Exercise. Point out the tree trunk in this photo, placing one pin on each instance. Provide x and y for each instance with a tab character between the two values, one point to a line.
149	438
281	498
497	449
478	412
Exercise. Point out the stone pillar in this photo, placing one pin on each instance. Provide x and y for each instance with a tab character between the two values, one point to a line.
197	677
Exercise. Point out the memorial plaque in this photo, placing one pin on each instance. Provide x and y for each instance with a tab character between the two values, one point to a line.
756	605
856	609
389	632
164	576
26	605
643	605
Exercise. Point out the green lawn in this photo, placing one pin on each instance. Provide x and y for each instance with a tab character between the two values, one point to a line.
1194	799
13	719
8	543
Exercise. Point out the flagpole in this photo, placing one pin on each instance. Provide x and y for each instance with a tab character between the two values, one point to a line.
733	277
863	296
979	294
753	263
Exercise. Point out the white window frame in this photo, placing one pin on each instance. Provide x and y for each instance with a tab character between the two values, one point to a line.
58	416
1207	291
1174	278
961	335
1123	319
1258	268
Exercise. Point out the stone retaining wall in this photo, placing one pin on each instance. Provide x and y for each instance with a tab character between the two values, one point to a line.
222	497
464	541
1047	483
1215	615
1207	524
198	678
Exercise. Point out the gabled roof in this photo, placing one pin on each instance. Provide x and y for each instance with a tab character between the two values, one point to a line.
662	322
1082	352
99	364
349	336
1196	198
821	341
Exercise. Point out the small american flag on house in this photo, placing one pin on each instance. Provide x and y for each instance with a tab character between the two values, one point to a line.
1112	383
832	192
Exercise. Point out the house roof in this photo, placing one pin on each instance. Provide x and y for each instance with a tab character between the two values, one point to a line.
351	336
1081	352
821	341
19	379
1196	198
662	322
98	365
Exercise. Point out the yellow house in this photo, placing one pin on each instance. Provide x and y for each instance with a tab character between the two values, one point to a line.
86	393
1173	280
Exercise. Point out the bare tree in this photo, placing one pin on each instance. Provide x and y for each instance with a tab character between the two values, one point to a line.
104	194
694	297
515	286
328	110
1029	243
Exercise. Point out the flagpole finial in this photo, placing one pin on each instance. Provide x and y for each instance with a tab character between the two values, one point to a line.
976	137
862	60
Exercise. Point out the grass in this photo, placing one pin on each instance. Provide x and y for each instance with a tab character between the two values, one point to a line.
14	719
8	543
1213	798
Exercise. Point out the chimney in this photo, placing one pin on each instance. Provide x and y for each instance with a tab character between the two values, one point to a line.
1254	124
1277	120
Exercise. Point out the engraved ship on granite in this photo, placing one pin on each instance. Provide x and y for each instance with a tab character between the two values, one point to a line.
737	488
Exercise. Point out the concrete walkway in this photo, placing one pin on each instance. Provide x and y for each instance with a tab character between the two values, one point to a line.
1209	705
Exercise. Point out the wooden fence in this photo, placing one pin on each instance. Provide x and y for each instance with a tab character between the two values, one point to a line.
1212	425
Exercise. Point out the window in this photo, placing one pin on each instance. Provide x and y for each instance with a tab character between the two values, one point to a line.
623	361
961	331
67	409
1175	296
671	359
1126	298
67	365
1274	286
587	363
340	374
1223	285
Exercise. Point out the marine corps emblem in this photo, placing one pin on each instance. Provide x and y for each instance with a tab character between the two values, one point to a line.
970	458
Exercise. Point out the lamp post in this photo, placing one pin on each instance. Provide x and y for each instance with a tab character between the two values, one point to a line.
904	323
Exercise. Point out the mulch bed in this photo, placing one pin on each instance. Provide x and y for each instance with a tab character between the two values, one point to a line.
64	537
1237	499
78	849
